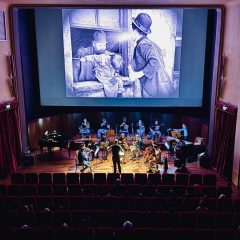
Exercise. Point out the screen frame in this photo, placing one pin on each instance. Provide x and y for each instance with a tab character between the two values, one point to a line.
92	4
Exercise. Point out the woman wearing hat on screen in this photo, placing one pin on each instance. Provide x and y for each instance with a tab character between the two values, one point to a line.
147	63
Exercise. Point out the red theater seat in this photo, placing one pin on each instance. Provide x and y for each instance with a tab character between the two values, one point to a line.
168	179
195	179
127	178
209	180
59	178
140	178
182	179
17	178
45	178
112	177
72	178
31	178
86	178
100	178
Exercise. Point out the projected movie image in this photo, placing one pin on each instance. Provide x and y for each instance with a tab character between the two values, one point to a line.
122	53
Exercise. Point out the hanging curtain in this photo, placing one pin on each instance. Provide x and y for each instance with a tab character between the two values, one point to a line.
223	139
10	148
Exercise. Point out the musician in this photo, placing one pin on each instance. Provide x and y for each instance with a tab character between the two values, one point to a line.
116	149
156	129
48	140
155	159
137	146
83	155
85	127
91	145
181	152
184	130
123	142
124	127
103	145
55	134
150	151
104	126
140	128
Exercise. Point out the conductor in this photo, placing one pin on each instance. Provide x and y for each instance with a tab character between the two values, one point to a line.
115	155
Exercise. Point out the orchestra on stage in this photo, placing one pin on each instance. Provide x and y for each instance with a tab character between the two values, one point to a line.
132	141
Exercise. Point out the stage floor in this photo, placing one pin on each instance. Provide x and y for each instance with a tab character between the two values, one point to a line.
58	161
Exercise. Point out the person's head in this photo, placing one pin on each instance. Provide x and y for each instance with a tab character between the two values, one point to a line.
202	204
104	135
184	125
65	225
127	225
141	25
156	122
117	182
124	119
86	143
46	209
117	61
104	120
221	196
122	135
99	42
25	226
140	120
85	119
116	141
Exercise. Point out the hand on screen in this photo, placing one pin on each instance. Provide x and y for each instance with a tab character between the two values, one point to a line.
83	59
134	75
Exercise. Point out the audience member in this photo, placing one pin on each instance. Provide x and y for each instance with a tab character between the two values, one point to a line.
202	207
128	225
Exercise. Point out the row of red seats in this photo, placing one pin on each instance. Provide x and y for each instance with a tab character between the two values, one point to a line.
117	202
156	219
110	178
117	234
106	189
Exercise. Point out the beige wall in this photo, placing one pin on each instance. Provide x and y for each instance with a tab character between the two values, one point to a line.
231	49
5	93
231	91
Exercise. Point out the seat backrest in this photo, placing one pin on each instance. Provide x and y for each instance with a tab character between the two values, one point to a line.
17	178
209	180
141	178
72	178
86	178
45	178
127	178
100	178
112	177
58	178
195	179
154	179
31	178
182	179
